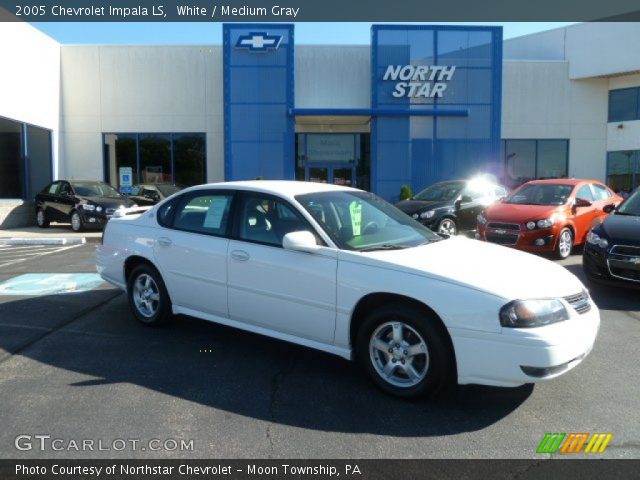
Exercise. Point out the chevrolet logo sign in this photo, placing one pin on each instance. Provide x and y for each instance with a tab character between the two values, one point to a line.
259	42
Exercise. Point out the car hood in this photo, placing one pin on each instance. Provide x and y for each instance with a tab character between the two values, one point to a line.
509	212
108	202
622	229
494	269
414	206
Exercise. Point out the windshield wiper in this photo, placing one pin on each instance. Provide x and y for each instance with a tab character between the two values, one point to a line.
384	246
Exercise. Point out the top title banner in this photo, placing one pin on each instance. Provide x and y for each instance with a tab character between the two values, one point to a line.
316	11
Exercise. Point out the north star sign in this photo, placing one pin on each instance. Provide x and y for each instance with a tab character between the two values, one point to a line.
419	81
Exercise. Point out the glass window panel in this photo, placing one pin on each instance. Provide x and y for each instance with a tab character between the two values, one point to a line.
329	147
552	159
623	171
155	158
601	192
39	155
120	150
520	161
189	155
585	193
11	161
623	104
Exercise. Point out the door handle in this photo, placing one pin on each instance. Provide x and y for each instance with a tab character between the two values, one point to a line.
164	242
240	255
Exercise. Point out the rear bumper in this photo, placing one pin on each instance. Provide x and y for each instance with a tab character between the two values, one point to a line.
518	356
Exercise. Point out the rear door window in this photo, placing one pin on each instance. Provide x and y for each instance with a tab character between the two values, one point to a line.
204	212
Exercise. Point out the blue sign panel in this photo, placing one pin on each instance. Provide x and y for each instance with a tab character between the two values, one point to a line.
419	69
258	93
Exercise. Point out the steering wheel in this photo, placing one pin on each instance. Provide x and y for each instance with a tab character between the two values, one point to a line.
370	227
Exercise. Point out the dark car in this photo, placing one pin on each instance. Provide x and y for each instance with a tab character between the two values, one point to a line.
151	193
451	207
81	203
612	250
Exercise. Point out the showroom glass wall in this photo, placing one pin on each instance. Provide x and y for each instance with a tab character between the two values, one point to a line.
25	159
339	158
156	157
526	160
623	170
624	104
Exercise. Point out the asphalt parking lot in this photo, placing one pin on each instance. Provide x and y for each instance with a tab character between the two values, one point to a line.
76	366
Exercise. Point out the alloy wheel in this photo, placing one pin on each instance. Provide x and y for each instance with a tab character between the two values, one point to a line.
447	226
76	222
146	295
40	218
399	354
565	243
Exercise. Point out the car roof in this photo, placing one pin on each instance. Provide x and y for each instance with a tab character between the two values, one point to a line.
563	181
283	188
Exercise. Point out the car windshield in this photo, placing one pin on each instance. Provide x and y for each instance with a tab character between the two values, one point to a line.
541	194
442	192
631	206
168	190
97	189
364	222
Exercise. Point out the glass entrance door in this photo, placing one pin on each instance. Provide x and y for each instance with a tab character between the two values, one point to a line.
338	175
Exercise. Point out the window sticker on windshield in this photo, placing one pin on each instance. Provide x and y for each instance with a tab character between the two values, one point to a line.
215	212
355	212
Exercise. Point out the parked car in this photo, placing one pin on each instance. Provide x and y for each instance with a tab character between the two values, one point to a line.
343	271
152	193
612	250
546	215
452	207
83	203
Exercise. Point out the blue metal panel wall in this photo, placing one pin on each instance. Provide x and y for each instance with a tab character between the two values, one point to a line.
258	93
420	150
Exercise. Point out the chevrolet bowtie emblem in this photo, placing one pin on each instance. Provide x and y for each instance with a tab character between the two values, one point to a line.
259	41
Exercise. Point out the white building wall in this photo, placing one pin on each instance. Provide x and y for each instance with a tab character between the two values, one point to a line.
138	89
540	102
30	80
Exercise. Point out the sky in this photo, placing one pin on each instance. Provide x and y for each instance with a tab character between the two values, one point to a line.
211	33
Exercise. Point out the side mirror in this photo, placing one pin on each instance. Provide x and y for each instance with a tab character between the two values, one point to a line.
303	241
581	202
609	208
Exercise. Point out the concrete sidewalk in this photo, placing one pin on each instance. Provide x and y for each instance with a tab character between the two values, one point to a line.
54	235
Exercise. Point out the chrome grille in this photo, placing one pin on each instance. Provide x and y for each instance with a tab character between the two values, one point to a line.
580	302
504	226
501	238
624	262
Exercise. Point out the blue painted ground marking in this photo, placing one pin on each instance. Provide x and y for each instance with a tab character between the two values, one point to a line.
50	283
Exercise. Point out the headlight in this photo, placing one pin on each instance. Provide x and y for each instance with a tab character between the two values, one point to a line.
595	239
135	205
428	214
482	220
88	207
532	313
531	225
98	208
546	223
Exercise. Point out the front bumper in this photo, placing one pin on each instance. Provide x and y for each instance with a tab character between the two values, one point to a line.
538	240
93	219
518	356
601	265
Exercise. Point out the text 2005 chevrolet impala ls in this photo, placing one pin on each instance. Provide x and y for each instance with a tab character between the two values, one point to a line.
343	271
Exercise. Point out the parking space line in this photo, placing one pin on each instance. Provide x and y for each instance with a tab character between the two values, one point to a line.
40	254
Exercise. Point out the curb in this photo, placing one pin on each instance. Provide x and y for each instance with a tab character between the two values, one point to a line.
42	241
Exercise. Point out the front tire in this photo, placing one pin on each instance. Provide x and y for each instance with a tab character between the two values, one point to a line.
404	351
447	226
565	244
76	222
41	219
148	297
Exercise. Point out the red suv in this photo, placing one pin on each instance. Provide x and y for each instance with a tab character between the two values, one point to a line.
546	215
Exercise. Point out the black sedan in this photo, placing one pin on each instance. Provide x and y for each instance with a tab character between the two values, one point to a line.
612	250
81	203
453	206
152	193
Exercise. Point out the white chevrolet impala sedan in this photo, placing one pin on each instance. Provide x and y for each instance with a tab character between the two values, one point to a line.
343	271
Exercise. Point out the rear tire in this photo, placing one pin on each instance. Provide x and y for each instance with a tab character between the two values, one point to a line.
41	219
148	297
565	244
405	352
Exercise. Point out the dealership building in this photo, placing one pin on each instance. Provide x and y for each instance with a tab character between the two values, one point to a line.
419	104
